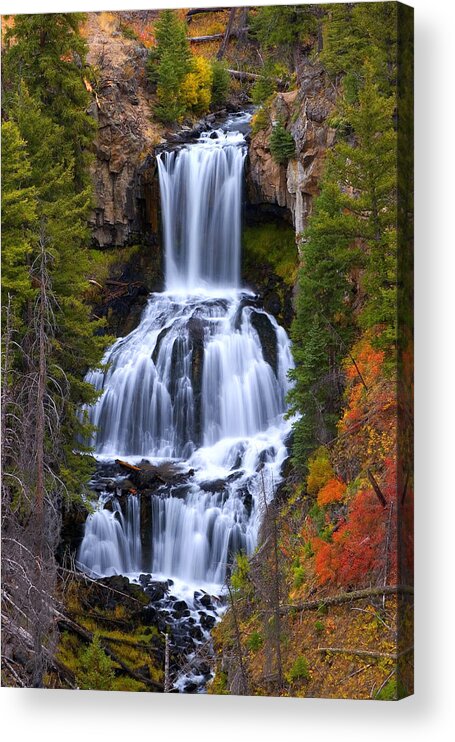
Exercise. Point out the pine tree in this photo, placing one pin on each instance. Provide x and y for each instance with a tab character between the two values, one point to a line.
173	63
18	214
282	145
283	29
347	281
62	212
47	52
356	33
96	668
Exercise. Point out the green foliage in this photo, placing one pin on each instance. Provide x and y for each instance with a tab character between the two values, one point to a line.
19	214
169	65
220	83
282	29
352	228
96	668
265	87
273	245
240	575
47	53
298	576
393	690
260	120
300	670
317	515
255	641
318	627
355	33
282	145
47	201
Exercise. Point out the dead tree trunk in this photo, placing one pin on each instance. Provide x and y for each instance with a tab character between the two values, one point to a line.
227	35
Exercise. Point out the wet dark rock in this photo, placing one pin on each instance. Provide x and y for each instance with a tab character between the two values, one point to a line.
196	633
191	688
267	455
196	337
157	590
146	528
207	621
206	601
215	485
267	337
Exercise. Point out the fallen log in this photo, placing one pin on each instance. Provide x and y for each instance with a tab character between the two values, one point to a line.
215	36
126	465
238	75
364	652
244	75
24	636
198	11
314	605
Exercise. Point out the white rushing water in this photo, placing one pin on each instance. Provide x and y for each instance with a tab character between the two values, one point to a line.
201	380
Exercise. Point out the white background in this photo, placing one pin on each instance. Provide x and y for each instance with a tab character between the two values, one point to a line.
72	715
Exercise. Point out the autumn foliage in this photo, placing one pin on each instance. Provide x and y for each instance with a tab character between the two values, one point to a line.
363	548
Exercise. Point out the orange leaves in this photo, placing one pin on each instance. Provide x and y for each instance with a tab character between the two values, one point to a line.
333	491
362	549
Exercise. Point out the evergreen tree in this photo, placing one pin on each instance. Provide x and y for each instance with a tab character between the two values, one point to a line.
47	52
18	214
96	668
173	63
283	29
347	280
355	33
282	145
62	212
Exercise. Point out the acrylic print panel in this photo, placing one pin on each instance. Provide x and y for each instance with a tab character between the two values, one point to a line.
207	350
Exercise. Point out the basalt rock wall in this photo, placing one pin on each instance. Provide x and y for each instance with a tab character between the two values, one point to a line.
305	112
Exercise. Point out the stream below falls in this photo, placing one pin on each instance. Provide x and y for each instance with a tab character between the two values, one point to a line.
195	396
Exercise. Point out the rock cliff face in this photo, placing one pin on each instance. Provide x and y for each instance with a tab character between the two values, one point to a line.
305	112
124	170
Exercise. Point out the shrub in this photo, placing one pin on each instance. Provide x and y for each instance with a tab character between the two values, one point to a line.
319	471
318	626
240	575
255	641
299	576
260	120
333	491
299	670
196	89
128	32
282	145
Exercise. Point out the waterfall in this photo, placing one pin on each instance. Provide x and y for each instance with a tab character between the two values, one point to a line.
201	381
201	191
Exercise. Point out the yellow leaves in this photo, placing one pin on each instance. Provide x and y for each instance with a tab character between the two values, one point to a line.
319	471
196	88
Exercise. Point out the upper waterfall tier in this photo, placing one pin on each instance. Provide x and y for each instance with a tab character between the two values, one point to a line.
201	200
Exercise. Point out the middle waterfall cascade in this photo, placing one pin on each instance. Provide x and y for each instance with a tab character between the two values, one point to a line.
201	383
